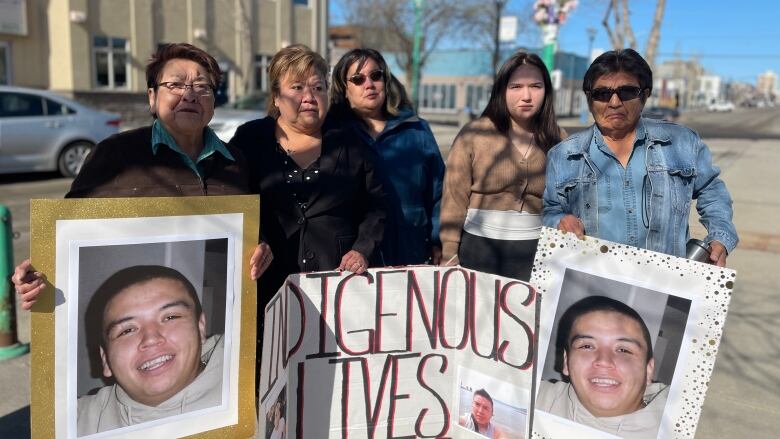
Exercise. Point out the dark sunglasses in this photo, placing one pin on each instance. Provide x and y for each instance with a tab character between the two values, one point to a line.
359	78
624	92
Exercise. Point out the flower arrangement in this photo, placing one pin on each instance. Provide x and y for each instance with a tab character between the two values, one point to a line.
548	12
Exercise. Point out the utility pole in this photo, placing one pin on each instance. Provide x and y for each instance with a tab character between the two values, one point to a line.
496	33
419	7
591	37
591	31
549	16
9	343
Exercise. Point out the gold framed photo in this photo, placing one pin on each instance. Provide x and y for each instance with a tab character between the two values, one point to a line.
147	327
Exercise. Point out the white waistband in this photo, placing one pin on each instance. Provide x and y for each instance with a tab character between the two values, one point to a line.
507	225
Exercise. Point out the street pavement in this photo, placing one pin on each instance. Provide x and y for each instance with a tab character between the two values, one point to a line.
743	399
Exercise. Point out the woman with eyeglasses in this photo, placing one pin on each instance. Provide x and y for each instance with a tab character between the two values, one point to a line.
178	155
629	179
321	201
492	203
367	97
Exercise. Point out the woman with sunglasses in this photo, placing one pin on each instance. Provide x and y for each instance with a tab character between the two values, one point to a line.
629	179
492	203
368	98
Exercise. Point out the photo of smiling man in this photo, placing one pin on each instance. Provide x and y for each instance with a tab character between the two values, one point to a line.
480	419
608	367
153	349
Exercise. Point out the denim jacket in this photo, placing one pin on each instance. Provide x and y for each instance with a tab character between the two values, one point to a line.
679	167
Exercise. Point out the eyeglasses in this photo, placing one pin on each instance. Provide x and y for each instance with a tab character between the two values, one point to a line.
179	88
624	92
359	78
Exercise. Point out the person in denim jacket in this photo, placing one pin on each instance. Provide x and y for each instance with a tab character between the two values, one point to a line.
629	179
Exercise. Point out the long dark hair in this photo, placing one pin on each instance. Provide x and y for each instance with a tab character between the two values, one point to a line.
395	94
545	127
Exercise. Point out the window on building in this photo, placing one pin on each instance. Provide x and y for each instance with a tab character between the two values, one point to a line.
438	97
477	96
261	72
301	2
111	62
5	63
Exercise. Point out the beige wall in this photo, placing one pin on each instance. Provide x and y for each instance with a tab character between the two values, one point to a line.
265	30
58	53
29	58
60	48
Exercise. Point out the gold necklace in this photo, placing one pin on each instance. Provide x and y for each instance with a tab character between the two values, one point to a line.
523	154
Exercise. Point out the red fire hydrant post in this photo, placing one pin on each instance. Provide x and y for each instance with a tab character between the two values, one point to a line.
9	342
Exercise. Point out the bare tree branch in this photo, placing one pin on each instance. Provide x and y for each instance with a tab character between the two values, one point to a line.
627	28
614	37
655	33
623	30
389	25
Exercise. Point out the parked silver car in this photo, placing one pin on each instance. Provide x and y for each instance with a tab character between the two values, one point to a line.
228	117
43	131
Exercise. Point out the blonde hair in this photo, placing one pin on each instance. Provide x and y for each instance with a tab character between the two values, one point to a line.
295	60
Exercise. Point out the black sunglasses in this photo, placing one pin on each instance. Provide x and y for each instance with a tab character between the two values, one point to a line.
359	78
624	92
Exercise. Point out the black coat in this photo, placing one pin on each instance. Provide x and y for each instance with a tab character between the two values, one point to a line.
345	211
124	166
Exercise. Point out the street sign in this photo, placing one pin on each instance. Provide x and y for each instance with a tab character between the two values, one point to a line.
556	76
507	30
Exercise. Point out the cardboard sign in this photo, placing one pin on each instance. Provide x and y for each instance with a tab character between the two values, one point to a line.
410	352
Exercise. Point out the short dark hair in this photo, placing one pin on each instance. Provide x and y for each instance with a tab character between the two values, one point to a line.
483	393
593	304
395	93
620	60
547	133
168	52
120	281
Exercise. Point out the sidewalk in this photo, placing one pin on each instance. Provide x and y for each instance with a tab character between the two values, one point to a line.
743	399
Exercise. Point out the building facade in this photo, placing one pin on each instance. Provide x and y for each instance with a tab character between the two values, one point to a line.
96	50
453	81
676	84
767	83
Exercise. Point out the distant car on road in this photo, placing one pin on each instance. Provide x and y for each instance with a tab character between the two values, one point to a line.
721	106
43	131
227	118
662	113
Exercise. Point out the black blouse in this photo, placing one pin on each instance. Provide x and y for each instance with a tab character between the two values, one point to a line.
312	217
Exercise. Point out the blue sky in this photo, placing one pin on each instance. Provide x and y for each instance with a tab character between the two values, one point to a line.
737	43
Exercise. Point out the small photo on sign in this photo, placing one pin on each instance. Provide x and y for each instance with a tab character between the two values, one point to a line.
276	426
489	407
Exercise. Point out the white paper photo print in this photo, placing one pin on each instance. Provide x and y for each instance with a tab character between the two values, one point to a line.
627	339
